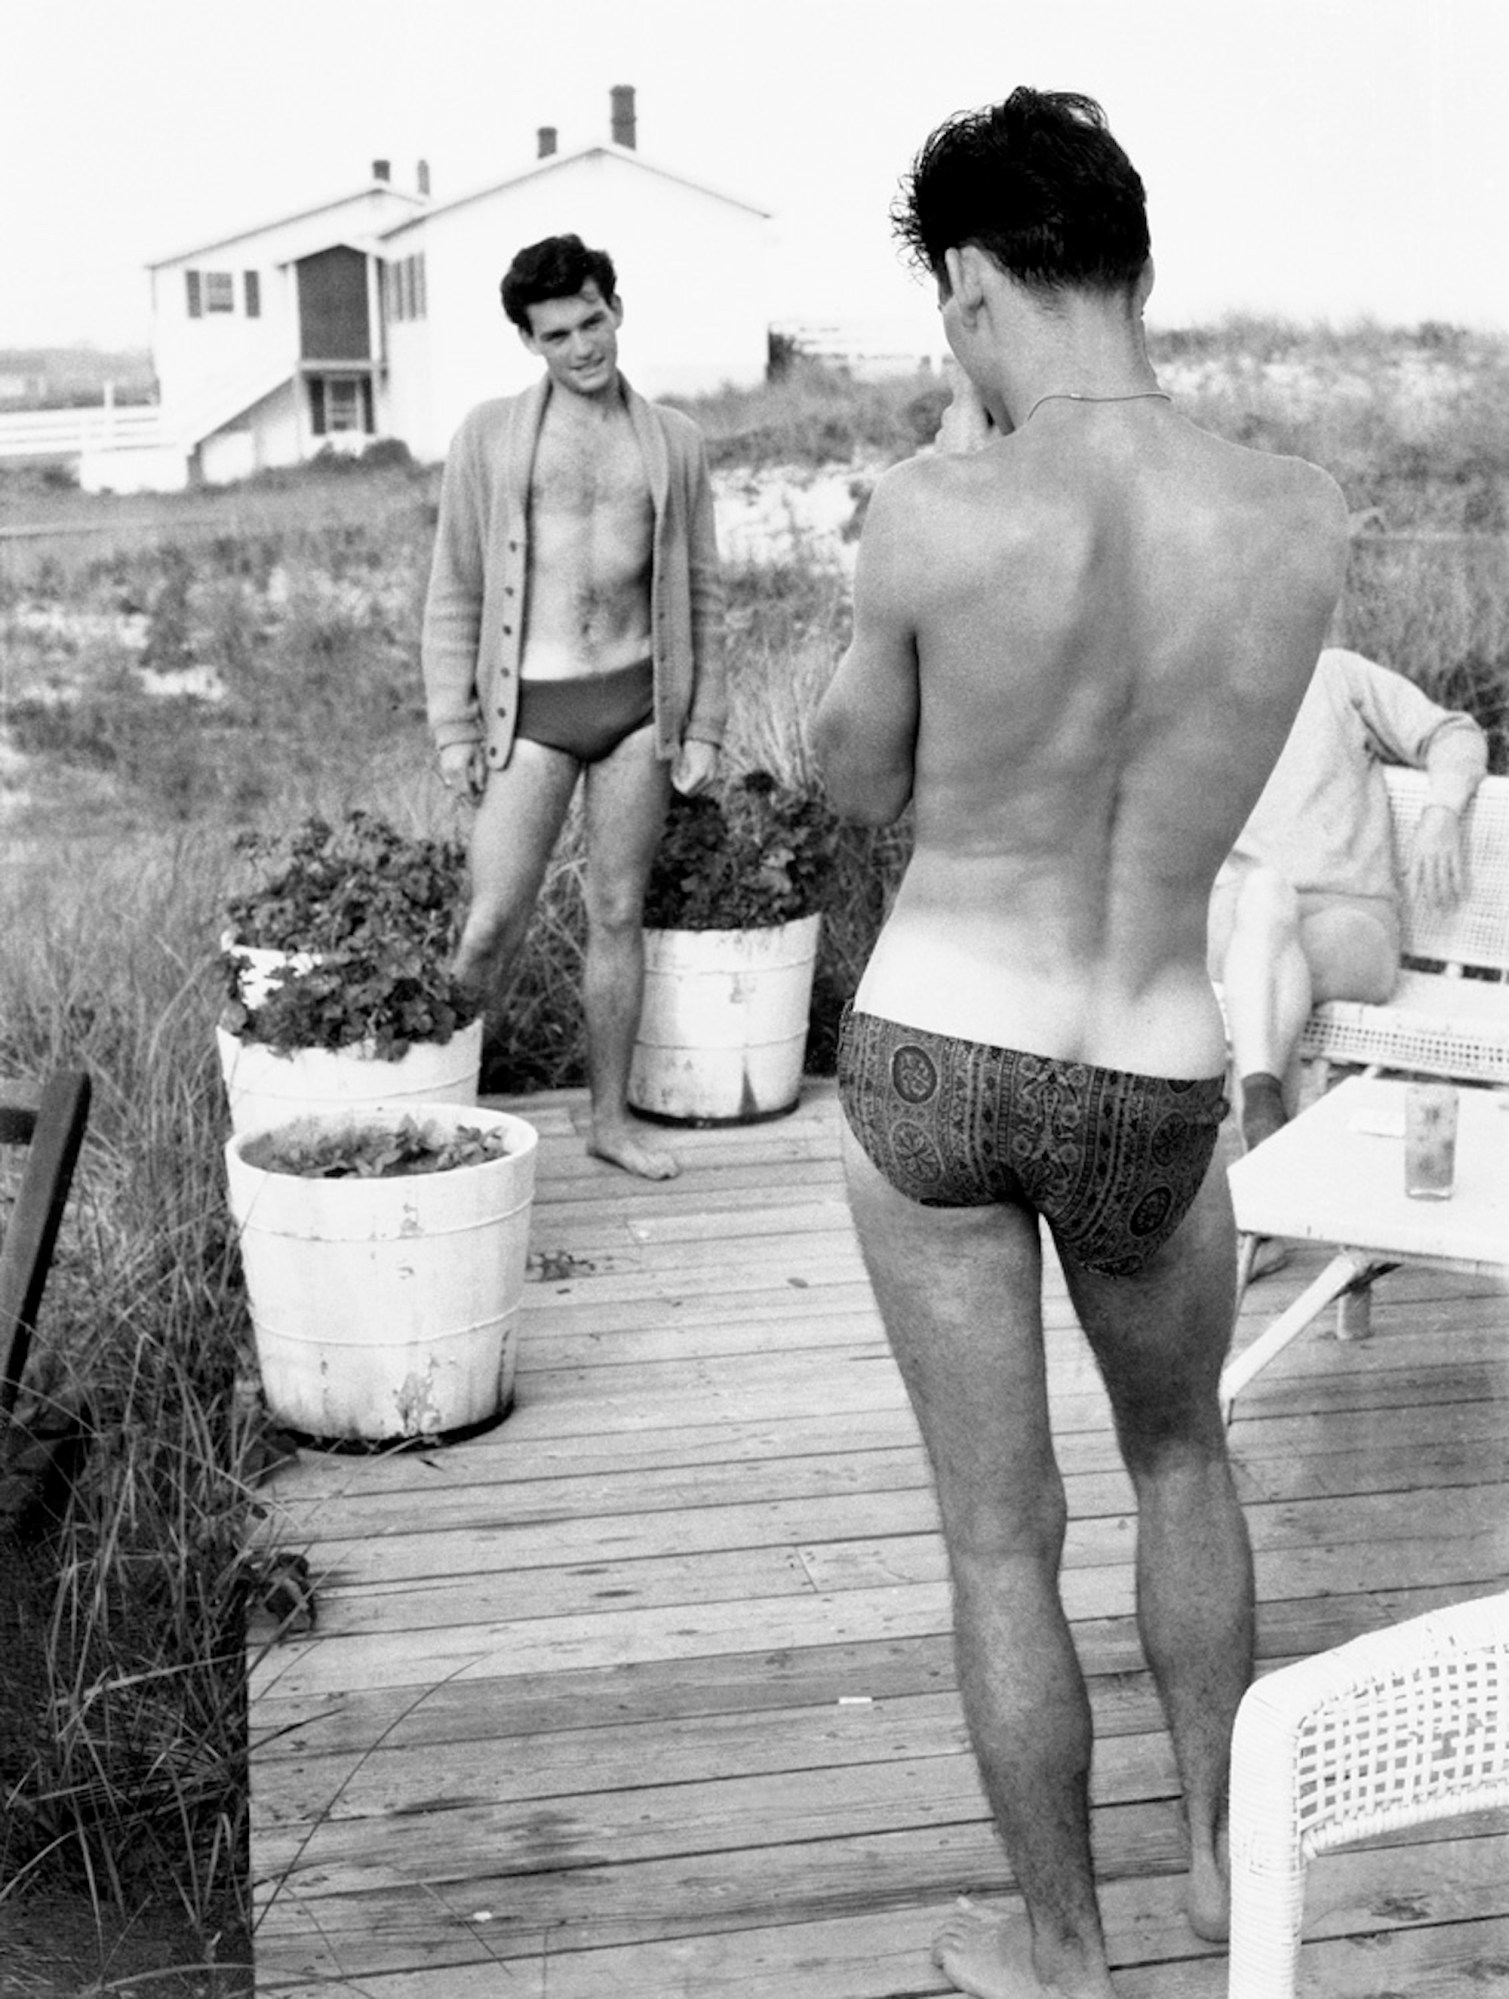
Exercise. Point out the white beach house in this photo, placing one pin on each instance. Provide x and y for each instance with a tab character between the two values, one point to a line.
377	315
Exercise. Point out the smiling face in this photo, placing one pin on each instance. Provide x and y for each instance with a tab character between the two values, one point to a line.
577	339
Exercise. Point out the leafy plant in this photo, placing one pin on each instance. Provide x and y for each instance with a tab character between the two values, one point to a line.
757	856
325	888
376	910
380	998
376	1152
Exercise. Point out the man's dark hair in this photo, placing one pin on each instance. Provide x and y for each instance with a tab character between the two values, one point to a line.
555	267
1039	184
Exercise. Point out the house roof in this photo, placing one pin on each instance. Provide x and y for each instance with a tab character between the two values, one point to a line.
630	155
365	246
298	215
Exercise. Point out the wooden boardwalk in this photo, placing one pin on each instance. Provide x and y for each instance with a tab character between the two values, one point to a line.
648	1692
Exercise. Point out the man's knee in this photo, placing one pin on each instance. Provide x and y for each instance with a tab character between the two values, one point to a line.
1352	956
991	1532
615	908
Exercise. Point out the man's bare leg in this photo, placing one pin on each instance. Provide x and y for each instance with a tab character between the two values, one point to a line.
1282	959
1160	1339
516	824
959	1291
1269	994
626	798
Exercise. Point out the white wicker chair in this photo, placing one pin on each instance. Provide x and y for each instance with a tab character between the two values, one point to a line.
1394	1729
1439	1022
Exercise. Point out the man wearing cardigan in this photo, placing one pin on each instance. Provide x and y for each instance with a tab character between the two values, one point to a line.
573	628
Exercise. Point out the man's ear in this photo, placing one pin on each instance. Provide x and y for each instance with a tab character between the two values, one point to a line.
528	339
1144	285
962	266
967	267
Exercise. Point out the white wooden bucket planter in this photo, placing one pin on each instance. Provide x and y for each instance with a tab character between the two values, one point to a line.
723	1032
265	1087
385	1309
255	977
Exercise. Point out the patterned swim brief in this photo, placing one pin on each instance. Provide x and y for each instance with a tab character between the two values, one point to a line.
1111	1160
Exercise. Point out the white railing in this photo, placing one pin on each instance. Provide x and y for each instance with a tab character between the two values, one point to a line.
873	346
65	433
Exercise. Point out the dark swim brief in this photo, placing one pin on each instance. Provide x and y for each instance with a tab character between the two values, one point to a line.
587	715
1112	1161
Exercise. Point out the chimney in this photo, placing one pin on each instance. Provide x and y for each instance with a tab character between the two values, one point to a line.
382	170
622	95
422	179
545	138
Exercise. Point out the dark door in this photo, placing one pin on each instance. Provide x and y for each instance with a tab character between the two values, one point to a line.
333	323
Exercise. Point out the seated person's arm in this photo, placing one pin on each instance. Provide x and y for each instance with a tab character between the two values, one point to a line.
1455	761
1405	725
865	730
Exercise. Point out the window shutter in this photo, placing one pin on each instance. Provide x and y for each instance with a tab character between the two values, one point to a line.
367	424
196	301
317	404
421	303
253	283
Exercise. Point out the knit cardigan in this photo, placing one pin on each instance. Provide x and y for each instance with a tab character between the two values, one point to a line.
475	610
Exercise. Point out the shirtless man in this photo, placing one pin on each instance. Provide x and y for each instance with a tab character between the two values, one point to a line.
573	629
1078	648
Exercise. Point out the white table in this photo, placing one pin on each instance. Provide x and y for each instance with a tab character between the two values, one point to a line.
1336	1175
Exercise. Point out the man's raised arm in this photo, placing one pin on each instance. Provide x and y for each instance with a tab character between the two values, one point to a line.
865	730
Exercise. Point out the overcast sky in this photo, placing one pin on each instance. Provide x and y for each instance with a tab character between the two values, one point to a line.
1315	159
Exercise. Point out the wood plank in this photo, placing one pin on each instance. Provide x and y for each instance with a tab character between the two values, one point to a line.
865	1378
886	1670
865	1601
856	1878
850	1533
476	1506
601	1905
842	1443
884	1955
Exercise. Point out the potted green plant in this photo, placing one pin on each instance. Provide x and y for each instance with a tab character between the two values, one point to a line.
336	954
384	1249
732	920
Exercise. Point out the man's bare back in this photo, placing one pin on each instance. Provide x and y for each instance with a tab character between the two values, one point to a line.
1078	645
1112	618
591	533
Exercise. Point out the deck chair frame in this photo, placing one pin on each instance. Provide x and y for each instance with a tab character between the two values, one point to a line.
50	1122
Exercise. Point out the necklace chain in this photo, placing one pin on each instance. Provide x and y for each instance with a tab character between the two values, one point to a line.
1077	396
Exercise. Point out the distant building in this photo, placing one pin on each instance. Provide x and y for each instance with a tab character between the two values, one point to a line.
377	315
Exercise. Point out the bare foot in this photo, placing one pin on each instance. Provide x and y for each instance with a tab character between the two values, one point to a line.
1207	1901
990	1957
620	1146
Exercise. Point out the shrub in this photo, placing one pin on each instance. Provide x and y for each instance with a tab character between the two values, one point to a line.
388	454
